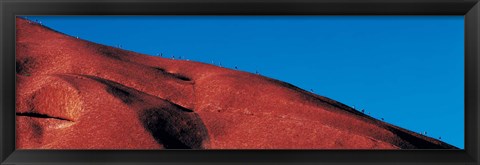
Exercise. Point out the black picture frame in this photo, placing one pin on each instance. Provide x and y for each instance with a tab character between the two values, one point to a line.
470	9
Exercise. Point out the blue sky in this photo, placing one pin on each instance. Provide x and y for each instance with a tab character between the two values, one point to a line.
408	70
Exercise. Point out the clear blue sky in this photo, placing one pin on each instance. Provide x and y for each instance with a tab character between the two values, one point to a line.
406	69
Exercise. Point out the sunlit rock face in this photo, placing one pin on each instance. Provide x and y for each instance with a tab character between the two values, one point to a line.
75	94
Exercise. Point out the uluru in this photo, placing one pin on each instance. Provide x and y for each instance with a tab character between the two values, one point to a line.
76	94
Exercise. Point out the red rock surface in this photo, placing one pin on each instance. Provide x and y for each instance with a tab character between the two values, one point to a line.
75	94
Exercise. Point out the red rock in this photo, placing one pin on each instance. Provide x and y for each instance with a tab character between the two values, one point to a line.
75	94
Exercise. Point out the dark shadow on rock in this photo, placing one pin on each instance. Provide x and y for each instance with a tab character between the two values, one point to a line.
418	142
119	93
117	90
111	52
174	75
24	66
175	128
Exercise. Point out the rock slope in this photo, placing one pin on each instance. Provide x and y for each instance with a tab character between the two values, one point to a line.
75	94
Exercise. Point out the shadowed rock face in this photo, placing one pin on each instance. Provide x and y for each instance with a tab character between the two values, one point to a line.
75	94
